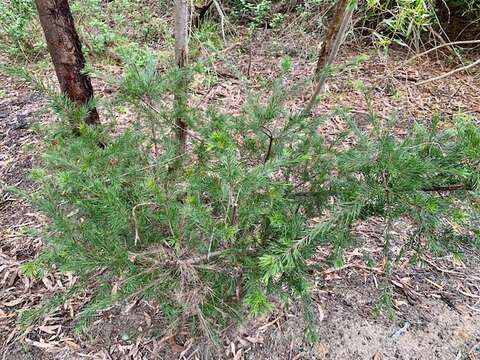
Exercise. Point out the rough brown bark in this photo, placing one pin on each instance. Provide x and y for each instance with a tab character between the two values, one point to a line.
66	52
181	58
327	47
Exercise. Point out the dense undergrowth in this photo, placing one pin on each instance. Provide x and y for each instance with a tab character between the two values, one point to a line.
234	220
232	223
123	31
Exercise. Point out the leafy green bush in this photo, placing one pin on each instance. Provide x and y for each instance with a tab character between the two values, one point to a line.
105	23
103	27
401	20
258	13
234	221
20	33
406	21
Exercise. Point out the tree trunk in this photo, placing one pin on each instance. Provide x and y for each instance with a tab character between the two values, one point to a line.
66	52
181	58
329	49
335	33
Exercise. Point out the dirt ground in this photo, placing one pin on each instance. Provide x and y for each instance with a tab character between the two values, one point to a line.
436	302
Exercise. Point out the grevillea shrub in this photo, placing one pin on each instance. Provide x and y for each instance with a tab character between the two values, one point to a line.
228	225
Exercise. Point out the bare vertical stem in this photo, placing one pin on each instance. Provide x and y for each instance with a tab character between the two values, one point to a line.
326	49
330	46
181	58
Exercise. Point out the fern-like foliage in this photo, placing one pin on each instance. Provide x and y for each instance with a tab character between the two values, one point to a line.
229	223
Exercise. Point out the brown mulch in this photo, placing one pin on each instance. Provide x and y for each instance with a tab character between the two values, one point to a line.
389	80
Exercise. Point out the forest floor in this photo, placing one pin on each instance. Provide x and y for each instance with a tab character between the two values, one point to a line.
436	302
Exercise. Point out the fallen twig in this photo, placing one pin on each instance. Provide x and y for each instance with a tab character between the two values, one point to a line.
438	47
463	68
194	260
431	263
473	308
469	295
267	325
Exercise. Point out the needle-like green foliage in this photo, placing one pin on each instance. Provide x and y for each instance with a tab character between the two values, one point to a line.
234	220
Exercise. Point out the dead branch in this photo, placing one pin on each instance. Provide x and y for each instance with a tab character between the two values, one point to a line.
327	48
182	24
176	263
194	260
463	42
453	187
463	68
135	220
270	143
221	14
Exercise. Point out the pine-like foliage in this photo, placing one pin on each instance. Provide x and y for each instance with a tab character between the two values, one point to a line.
229	223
